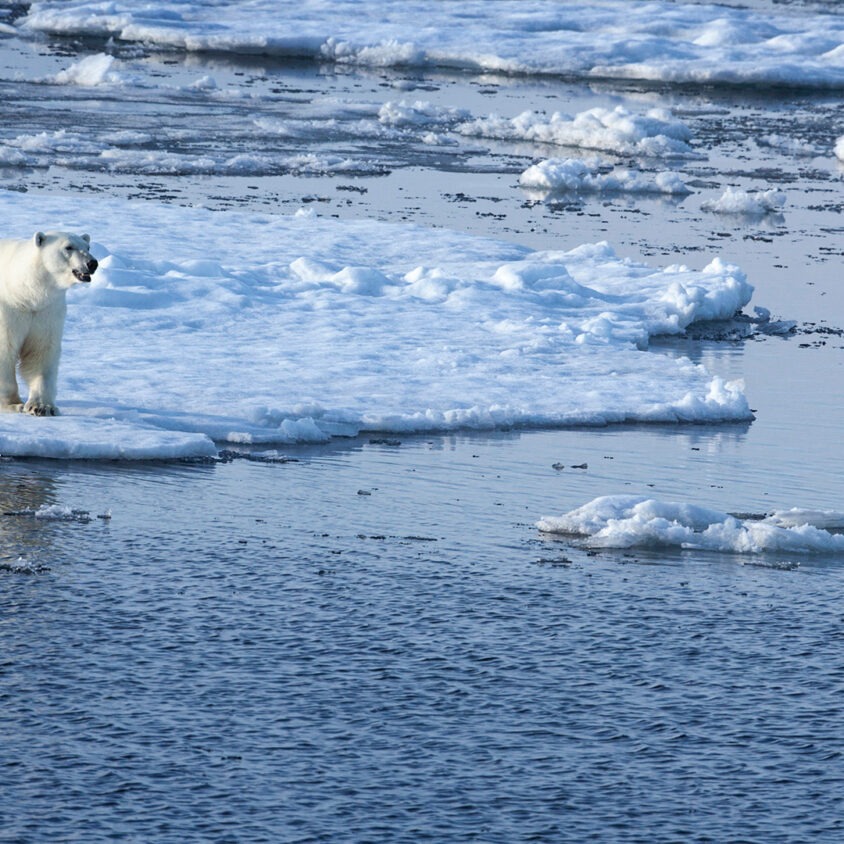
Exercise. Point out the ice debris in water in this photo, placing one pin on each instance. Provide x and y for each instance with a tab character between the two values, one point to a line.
629	521
22	566
618	130
752	203
577	176
57	513
90	71
418	113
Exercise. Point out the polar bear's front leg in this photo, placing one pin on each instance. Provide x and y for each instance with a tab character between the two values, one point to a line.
42	391
40	369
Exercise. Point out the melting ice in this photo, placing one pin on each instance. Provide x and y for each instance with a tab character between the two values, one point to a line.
628	521
658	40
203	327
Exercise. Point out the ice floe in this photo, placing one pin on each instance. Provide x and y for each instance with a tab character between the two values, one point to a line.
617	130
90	71
559	175
630	521
657	41
206	327
750	203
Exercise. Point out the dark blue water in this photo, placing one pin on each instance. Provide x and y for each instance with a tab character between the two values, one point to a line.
250	652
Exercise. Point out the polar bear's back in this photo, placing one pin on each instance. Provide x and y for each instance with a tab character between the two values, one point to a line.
18	262
15	253
8	244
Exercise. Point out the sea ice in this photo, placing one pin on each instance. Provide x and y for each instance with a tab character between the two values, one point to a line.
751	203
631	521
203	327
658	40
90	71
577	176
654	134
419	113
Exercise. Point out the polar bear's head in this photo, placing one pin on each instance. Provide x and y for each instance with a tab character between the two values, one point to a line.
66	257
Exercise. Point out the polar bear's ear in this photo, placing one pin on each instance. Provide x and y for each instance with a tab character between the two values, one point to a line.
39	238
87	238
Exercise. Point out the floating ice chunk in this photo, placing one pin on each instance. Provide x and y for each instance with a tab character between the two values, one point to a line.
789	146
831	520
654	133
752	203
316	164
419	113
578	176
839	148
204	83
90	71
629	521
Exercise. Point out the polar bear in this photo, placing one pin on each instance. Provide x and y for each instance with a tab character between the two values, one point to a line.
35	275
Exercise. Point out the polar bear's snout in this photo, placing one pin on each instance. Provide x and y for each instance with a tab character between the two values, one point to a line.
90	269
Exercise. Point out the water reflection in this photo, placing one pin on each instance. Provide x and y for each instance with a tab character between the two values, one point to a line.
21	534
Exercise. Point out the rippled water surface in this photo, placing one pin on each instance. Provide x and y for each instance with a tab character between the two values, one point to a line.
372	641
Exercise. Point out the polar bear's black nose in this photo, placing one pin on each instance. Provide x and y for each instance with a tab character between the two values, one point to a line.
92	265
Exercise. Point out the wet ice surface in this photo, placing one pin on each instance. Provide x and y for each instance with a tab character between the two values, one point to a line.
373	641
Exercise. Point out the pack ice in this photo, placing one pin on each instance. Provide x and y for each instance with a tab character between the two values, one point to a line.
658	40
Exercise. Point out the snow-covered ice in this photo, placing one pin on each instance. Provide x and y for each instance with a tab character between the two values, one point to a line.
206	326
751	203
618	130
559	175
658	40
630	521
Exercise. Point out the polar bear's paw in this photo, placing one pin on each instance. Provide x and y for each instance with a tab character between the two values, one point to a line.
37	408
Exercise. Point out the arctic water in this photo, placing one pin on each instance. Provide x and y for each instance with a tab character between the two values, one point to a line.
327	620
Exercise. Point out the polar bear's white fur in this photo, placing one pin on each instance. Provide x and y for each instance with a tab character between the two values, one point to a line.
35	275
